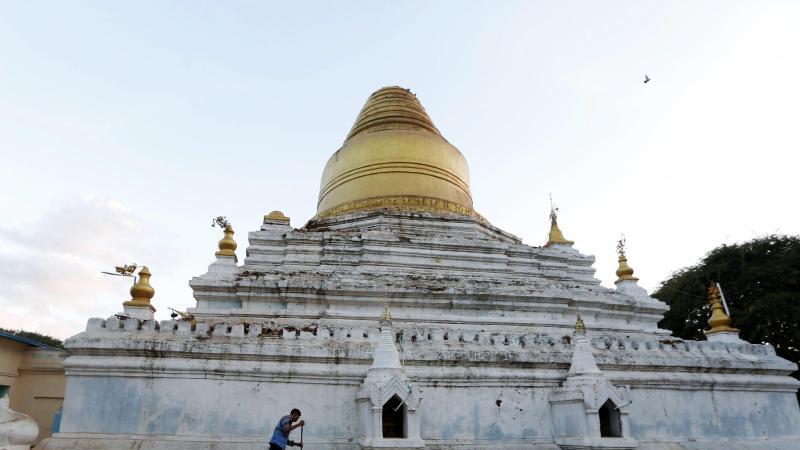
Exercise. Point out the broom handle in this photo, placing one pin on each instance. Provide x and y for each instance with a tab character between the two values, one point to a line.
301	436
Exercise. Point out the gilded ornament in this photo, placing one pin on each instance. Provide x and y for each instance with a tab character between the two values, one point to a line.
125	269
386	316
227	246
580	327
276	216
555	236
187	316
142	291
719	321
624	271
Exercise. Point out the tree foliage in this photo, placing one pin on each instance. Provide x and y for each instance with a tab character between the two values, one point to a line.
760	280
43	338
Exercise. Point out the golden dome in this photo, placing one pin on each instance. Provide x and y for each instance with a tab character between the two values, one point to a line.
395	157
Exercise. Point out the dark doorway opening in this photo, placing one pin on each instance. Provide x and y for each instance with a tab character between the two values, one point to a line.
394	418
610	423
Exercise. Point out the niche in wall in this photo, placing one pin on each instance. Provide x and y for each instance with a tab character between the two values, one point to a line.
610	423
394	418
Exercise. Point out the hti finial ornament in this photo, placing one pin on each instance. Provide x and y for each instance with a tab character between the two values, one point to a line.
624	271
386	316
555	236
125	270
142	292
227	246
719	321
580	327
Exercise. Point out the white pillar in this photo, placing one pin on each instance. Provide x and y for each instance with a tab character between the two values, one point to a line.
413	424
377	422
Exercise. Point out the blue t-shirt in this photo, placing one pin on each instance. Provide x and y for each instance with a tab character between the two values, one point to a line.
279	437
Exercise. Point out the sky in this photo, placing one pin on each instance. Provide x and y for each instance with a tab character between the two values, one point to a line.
126	126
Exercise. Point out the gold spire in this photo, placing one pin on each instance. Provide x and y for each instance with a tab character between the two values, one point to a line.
142	292
395	158
555	236
227	246
386	316
719	321
624	271
392	108
579	326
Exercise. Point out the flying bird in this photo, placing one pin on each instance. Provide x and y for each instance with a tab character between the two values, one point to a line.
646	78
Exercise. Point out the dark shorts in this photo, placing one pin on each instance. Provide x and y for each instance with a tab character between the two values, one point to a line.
274	447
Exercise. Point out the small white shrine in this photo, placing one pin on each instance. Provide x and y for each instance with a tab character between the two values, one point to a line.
388	401
588	411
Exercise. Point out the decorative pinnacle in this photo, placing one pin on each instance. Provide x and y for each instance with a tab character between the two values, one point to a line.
276	216
719	321
142	292
624	271
386	316
579	326
227	246
555	236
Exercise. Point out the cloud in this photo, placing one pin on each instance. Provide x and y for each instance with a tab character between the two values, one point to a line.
50	278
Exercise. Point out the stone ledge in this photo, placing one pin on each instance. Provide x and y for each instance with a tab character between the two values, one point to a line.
511	341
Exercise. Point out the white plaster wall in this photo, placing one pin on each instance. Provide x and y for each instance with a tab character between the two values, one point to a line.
666	415
205	407
451	416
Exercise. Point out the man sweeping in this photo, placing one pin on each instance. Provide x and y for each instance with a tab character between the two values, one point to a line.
280	437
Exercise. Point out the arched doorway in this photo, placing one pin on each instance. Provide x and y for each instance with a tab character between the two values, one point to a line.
394	418
610	423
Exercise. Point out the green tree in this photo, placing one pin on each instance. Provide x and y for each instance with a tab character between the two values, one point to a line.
761	283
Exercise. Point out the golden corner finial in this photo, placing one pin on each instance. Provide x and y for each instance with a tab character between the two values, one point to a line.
555	236
386	316
276	216
142	291
624	271
580	327
227	246
719	321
